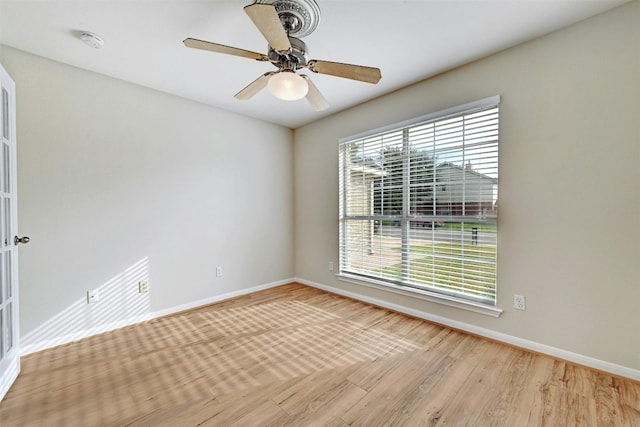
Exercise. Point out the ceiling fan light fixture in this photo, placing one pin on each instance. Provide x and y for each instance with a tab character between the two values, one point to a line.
288	86
282	22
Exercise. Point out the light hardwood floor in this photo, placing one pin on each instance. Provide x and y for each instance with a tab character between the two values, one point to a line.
295	355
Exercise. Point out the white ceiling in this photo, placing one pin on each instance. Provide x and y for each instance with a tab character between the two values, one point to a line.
409	40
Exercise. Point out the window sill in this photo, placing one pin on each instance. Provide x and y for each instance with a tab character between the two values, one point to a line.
423	295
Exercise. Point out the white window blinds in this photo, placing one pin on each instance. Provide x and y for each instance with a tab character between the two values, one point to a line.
418	204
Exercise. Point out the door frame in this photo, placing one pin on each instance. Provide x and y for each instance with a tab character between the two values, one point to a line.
10	359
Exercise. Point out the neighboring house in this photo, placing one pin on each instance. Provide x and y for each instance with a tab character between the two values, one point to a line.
463	191
459	191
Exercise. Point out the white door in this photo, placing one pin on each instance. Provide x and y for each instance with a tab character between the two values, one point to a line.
9	348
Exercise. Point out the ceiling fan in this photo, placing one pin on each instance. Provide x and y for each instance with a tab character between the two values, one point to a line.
280	21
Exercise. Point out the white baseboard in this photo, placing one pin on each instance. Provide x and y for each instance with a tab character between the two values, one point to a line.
80	334
85	333
221	297
558	353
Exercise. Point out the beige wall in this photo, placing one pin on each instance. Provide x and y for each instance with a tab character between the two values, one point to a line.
118	183
569	236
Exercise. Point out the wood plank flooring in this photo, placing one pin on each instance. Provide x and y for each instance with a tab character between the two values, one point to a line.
298	356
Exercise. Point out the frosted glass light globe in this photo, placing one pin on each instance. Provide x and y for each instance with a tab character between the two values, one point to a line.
288	86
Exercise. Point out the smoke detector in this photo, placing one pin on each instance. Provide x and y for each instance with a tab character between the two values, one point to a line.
91	39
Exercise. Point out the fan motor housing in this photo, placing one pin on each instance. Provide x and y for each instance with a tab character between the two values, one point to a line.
298	54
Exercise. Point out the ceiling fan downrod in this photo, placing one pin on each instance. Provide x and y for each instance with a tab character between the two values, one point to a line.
299	17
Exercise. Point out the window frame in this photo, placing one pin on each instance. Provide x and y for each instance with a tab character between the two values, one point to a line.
431	293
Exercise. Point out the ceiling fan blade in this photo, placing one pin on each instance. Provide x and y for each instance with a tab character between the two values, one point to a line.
315	98
254	87
348	71
265	17
220	48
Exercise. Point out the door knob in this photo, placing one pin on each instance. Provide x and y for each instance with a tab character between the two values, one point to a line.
24	240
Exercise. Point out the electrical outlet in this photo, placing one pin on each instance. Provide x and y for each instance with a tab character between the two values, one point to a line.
218	271
519	302
143	286
330	265
93	296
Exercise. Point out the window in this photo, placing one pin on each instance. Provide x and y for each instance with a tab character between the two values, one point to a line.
418	204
